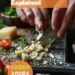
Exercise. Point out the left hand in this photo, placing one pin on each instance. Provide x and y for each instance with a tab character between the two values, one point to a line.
37	17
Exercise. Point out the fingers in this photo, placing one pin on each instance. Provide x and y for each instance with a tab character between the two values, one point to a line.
68	16
22	15
46	17
57	16
30	15
37	17
40	21
60	18
45	13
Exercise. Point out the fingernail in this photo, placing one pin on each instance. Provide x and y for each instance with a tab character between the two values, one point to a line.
53	27
40	25
58	35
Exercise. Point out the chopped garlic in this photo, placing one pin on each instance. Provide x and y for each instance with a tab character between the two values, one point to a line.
25	56
42	54
39	48
18	53
26	48
39	58
51	55
45	62
19	48
39	36
33	55
32	47
46	49
27	51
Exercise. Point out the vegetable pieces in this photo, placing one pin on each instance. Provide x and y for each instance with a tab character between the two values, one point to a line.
6	43
33	51
6	34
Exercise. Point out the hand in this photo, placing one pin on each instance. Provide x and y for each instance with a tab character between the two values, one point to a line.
35	17
61	17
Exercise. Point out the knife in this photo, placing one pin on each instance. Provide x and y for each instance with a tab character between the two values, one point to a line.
47	36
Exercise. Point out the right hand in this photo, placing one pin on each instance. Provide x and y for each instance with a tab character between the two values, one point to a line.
62	17
37	17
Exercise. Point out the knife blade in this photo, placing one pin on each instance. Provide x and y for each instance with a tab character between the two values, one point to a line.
48	36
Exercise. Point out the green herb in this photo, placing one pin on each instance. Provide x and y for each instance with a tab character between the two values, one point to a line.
7	51
22	42
1	24
10	11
